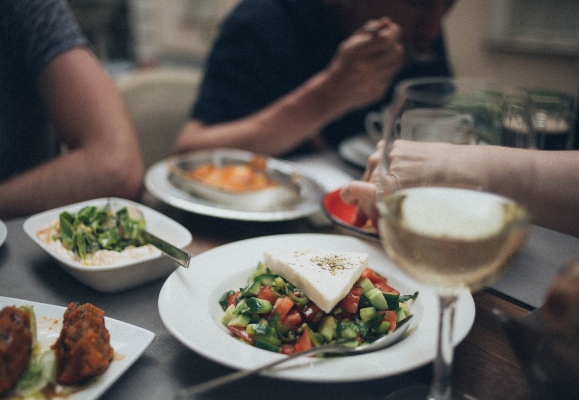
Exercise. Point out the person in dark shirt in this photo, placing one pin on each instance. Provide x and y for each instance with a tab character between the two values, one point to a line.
291	75
50	77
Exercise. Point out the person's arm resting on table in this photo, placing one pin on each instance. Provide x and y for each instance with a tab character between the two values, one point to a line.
104	157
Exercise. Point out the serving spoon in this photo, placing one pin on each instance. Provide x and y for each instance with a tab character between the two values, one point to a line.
382	343
181	257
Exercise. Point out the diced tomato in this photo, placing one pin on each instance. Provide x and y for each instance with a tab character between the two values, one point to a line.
293	319
288	349
231	298
379	281
283	305
373	276
383	286
390	316
311	312
241	333
266	293
351	302
304	342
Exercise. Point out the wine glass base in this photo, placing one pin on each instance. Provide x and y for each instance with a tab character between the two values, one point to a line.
421	392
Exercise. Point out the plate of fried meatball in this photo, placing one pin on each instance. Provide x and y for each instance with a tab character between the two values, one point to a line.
74	351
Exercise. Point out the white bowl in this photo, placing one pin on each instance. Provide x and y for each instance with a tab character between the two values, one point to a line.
285	192
122	275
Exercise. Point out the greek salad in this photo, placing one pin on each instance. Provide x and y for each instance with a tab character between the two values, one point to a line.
271	314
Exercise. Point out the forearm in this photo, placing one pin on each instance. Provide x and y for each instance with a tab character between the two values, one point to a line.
554	191
546	182
76	176
274	130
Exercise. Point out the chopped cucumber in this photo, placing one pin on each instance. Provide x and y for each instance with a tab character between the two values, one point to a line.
328	327
400	315
317	338
337	310
392	300
377	299
364	302
228	315
346	330
262	344
261	269
241	307
283	332
258	306
280	284
368	313
240	320
266	279
251	290
263	333
262	330
299	300
384	326
405	308
366	284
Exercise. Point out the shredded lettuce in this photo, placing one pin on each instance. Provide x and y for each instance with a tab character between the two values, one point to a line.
41	372
94	228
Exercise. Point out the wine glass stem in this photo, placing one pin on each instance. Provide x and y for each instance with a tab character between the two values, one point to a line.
441	385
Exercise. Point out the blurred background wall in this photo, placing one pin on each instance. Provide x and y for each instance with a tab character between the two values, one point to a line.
534	43
542	54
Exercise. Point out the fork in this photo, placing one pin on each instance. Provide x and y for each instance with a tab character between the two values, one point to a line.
382	343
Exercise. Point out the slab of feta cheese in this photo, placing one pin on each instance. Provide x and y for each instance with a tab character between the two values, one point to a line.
324	277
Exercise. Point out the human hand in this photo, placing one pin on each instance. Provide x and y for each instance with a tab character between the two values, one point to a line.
362	193
363	68
410	163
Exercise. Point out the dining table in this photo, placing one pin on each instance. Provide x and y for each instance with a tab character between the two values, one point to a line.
485	365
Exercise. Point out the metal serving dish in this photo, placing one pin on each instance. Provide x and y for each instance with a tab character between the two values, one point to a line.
284	192
300	195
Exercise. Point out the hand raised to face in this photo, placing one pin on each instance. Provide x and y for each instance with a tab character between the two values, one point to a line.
362	69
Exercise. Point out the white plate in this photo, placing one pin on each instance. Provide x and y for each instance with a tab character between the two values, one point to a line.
157	182
123	275
3	232
357	149
228	267
129	342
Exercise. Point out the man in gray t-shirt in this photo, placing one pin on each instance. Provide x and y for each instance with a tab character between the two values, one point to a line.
33	33
49	75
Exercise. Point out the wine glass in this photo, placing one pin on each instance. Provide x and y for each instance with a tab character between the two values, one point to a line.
451	234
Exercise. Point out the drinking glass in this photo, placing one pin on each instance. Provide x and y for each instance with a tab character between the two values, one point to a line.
449	235
552	116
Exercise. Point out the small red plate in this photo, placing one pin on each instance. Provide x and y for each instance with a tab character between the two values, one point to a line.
341	214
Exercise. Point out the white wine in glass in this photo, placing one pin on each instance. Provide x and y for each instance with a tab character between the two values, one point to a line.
452	239
451	235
